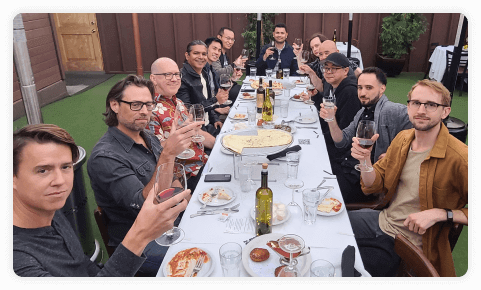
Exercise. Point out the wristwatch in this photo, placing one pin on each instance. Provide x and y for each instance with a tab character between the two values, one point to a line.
449	214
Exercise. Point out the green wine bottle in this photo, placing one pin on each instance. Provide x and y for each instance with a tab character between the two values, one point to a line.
267	110
264	205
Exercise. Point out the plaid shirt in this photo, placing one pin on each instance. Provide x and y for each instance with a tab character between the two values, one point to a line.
161	124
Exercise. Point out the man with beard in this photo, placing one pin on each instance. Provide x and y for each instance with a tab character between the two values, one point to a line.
122	164
390	118
282	52
424	179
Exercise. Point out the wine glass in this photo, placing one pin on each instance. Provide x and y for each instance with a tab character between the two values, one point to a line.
292	182
304	56
291	244
245	55
184	118
272	46
225	83
198	113
298	42
365	130
310	87
169	176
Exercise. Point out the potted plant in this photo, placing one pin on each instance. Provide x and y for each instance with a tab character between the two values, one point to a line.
399	31
250	34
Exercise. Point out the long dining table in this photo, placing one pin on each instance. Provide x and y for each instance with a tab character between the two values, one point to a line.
326	239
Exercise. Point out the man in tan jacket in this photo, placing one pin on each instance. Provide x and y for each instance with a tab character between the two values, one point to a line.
424	177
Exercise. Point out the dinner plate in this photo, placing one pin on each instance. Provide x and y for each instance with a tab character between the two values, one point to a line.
305	120
293	129
249	98
233	114
206	270
297	100
274	222
215	201
267	267
343	207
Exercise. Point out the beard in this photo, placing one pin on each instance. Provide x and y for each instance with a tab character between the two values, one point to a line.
424	127
369	102
134	126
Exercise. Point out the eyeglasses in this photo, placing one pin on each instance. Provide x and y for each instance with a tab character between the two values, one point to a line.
168	76
330	69
428	106
229	39
137	106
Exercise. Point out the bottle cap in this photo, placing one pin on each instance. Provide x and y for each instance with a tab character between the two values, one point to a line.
264	165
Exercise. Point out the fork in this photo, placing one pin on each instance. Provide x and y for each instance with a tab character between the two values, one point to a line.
214	194
198	265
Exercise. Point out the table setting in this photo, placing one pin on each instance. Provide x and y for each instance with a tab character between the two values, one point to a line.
220	218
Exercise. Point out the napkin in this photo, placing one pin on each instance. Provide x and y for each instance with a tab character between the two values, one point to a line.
283	152
347	262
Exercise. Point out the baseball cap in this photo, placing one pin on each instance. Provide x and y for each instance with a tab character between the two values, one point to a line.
337	59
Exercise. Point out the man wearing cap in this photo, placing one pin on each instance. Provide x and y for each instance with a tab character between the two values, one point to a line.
344	88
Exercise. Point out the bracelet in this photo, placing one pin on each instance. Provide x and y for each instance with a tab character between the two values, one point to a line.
449	214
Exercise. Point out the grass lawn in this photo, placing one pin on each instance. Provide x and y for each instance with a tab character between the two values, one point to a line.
81	115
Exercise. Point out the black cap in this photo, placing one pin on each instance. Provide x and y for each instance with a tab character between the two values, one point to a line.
337	59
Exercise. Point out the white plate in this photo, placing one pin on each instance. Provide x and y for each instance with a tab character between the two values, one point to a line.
305	120
248	99
297	100
267	267
233	114
274	222
215	201
206	270
343	207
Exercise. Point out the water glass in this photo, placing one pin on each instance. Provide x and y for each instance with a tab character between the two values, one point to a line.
284	108
286	73
322	268
251	114
237	163
253	72
269	74
329	104
244	174
292	164
268	125
231	259
311	198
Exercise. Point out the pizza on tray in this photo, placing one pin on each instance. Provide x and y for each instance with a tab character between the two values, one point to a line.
265	138
183	263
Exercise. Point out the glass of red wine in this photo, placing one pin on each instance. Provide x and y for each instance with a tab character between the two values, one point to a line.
225	83
272	47
365	130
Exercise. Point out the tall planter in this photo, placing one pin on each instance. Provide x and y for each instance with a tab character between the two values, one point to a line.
391	66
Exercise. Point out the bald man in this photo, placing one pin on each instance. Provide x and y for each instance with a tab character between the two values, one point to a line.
166	77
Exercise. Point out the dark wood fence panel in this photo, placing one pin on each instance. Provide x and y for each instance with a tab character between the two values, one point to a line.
167	34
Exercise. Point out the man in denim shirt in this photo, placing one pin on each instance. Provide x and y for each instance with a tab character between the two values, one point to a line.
122	164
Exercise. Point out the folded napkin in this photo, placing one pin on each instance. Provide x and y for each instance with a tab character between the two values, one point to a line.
283	152
347	263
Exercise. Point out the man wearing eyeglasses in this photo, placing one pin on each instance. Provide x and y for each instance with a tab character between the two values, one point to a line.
122	164
424	179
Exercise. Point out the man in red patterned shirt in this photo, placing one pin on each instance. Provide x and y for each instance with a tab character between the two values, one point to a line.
166	77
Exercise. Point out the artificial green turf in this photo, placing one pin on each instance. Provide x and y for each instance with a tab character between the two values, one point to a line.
81	116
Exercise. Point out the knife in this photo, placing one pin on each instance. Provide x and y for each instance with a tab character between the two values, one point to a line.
214	212
306	127
225	208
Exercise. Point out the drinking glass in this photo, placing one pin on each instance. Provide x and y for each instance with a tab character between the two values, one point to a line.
273	47
269	74
170	175
251	114
292	167
284	108
253	72
230	259
245	54
286	73
249	161
329	104
311	198
365	130
291	244
225	83
198	113
322	268
184	118
304	56
244	176
310	87
298	42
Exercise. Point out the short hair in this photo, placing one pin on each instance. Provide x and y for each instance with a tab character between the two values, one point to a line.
321	37
41	133
209	40
192	43
280	25
116	93
437	86
221	30
380	75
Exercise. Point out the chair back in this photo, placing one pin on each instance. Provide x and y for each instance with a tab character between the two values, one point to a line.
463	61
413	261
454	233
102	221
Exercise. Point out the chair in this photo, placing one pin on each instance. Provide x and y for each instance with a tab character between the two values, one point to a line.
413	261
102	221
462	69
431	50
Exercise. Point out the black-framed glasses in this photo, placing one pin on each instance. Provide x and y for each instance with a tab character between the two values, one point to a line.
168	76
229	39
330	69
137	106
428	106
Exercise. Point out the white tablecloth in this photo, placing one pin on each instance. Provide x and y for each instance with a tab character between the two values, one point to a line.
438	62
328	237
355	52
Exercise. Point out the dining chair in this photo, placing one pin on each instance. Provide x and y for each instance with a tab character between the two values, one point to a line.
462	70
413	261
102	221
431	50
